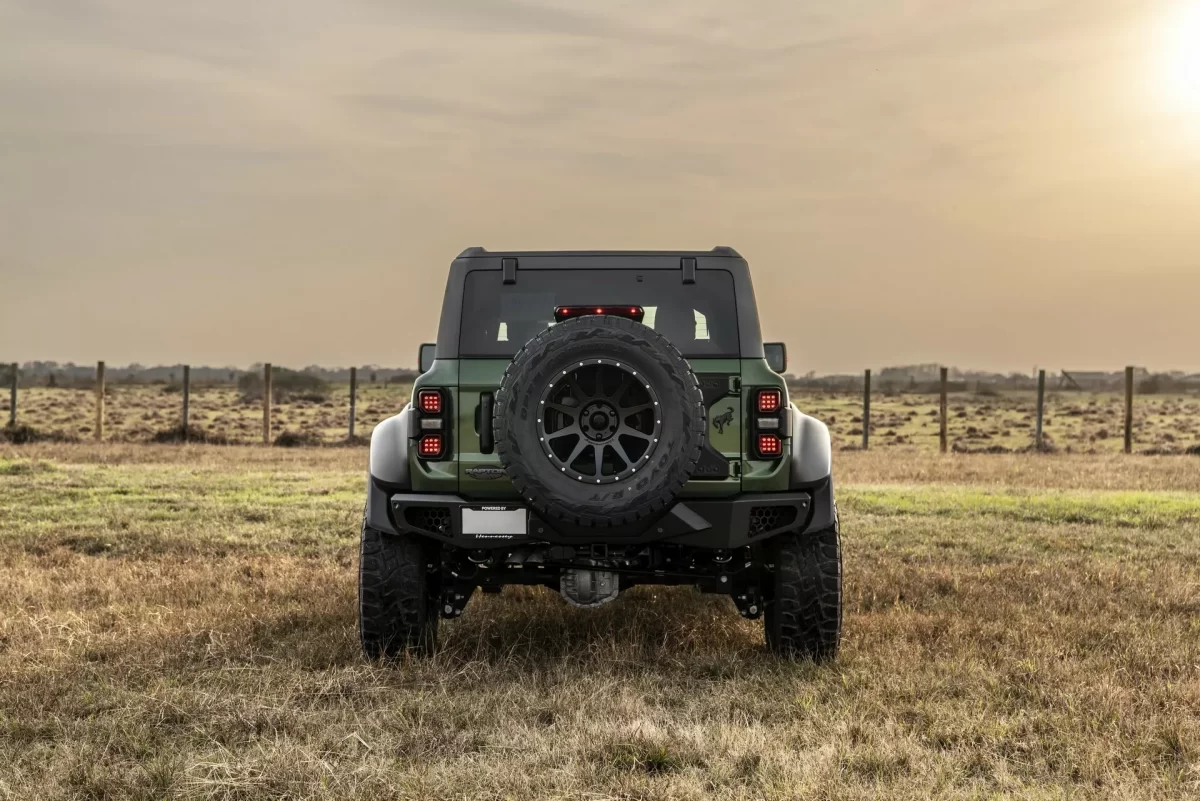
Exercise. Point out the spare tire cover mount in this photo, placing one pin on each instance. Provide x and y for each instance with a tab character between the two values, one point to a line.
599	423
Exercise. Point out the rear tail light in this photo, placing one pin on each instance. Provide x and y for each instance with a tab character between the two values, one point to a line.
768	422
429	401
432	442
430	446
769	400
769	445
562	313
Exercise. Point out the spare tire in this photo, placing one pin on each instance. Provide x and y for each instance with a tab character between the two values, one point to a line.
599	422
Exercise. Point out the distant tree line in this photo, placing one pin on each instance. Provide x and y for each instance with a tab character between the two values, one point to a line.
926	378
314	379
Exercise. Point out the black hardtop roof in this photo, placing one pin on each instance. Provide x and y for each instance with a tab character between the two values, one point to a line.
478	259
478	252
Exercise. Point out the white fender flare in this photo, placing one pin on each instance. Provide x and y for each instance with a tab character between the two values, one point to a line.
389	448
812	449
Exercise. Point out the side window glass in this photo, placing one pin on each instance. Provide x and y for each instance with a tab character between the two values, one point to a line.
502	332
701	326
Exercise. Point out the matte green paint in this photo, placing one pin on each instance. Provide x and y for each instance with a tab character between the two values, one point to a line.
477	376
439	476
725	425
758	475
467	379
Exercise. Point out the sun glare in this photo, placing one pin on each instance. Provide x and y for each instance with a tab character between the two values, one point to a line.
1180	51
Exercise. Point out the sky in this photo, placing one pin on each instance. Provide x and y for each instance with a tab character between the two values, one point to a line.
990	185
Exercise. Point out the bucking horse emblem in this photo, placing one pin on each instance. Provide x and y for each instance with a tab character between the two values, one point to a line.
722	420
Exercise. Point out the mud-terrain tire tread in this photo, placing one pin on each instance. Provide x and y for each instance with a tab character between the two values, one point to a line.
804	619
397	610
596	332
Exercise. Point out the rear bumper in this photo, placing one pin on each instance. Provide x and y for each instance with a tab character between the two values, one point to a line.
724	523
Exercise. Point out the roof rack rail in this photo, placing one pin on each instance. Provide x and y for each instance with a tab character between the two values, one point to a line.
725	250
475	251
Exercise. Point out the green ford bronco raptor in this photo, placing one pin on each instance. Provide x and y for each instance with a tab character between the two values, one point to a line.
589	421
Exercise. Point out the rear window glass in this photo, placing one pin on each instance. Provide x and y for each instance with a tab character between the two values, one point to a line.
700	319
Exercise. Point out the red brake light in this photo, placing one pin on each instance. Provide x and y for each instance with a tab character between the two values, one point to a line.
769	400
769	445
430	445
429	401
562	313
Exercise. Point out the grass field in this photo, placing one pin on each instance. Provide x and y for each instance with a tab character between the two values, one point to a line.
179	622
138	413
1076	422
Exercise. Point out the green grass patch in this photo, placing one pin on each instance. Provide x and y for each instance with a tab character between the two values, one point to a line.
25	467
1122	509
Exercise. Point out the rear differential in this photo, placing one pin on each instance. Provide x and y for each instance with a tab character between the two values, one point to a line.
588	588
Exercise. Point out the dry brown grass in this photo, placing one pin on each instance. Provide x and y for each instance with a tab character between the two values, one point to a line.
179	622
1074	421
139	413
1107	471
1078	422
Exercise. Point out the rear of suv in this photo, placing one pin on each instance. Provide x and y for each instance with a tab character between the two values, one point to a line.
591	421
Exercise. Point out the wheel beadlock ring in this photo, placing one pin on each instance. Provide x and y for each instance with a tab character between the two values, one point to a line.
604	442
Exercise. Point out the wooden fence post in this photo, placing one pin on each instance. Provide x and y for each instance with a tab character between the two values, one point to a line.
353	392
99	401
267	404
866	410
1129	410
942	440
12	398
1041	408
187	390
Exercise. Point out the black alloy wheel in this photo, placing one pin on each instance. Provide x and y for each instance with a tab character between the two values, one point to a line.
599	421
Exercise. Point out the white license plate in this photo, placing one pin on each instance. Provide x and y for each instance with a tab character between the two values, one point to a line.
506	521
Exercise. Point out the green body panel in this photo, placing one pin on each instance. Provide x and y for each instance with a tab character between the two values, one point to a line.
725	427
467	379
475	377
438	476
759	475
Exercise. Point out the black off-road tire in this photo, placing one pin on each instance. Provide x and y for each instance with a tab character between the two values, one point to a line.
803	619
569	503
397	604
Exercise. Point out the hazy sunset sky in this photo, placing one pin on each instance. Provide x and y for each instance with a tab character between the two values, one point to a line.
995	184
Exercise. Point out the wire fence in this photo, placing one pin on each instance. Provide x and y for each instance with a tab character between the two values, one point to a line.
280	407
